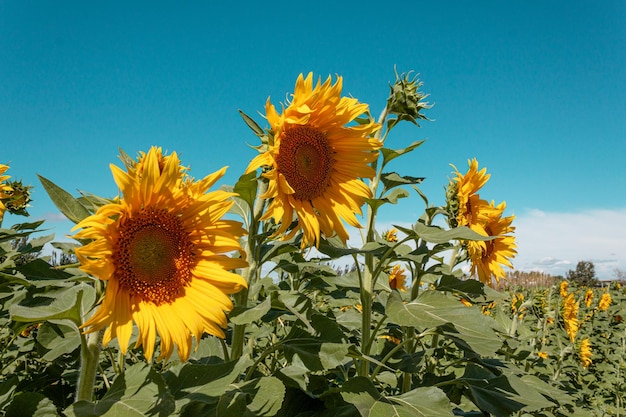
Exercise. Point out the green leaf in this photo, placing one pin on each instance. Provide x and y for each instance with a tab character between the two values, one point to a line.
248	315
259	397
435	234
7	389
203	383
246	187
67	303
59	338
252	124
392	179
420	402
31	404
433	308
316	355
138	392
391	154
68	205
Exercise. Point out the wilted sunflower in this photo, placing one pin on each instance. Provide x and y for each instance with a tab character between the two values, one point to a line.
488	257
570	317
5	189
315	159
162	248
397	278
585	353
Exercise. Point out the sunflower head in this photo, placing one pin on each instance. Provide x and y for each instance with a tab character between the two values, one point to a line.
489	257
397	278
605	301
18	199
570	316
585	353
391	235
315	160
5	189
405	100
466	204
166	255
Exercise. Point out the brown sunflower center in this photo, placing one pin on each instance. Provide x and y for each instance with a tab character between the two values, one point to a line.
305	159
154	256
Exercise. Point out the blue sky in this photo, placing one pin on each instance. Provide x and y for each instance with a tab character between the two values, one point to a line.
534	90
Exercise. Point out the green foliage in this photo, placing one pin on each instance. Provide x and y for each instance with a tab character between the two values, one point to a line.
584	274
309	339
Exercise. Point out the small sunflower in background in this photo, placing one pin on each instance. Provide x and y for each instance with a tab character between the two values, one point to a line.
165	252
315	160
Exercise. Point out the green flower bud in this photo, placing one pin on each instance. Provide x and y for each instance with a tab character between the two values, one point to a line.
405	100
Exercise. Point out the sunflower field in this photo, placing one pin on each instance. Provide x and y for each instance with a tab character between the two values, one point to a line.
179	297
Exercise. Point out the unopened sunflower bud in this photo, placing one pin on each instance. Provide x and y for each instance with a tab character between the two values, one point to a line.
452	203
405	100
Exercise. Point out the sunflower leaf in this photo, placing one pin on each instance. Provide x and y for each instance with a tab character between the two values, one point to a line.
252	124
420	402
246	187
434	234
392	179
434	309
390	154
64	201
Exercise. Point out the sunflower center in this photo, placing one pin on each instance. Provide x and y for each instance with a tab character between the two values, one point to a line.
154	256
305	159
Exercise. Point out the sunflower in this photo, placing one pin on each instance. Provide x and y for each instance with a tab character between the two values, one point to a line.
588	297
563	289
397	278
585	353
5	189
391	235
315	159
470	208
605	301
488	257
570	317
163	250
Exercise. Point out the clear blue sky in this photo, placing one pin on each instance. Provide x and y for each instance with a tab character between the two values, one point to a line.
535	90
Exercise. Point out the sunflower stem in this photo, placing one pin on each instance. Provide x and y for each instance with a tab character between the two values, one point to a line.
252	271
90	345
367	287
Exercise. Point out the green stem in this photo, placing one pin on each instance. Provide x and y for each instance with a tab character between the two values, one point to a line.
367	282
251	272
90	345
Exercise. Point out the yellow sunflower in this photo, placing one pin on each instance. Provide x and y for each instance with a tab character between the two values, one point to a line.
315	159
588	297
397	278
585	353
5	189
605	301
391	235
563	289
163	250
471	209
570	317
489	257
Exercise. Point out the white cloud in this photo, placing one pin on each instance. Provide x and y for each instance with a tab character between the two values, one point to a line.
554	242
